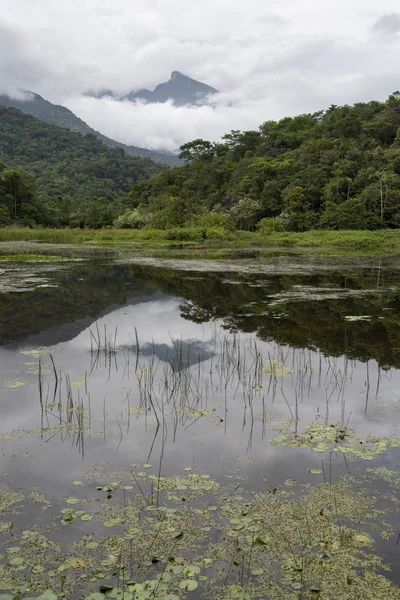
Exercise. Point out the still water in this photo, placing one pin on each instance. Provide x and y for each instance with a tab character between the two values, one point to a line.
126	383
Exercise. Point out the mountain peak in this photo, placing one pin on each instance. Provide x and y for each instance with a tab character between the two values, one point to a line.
180	89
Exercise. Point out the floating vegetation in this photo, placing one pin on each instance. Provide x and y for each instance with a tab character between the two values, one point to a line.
64	428
19	277
292	542
357	318
32	367
276	368
39	351
77	382
13	435
317	436
8	499
193	482
14	384
369	447
304	293
336	437
35	258
136	410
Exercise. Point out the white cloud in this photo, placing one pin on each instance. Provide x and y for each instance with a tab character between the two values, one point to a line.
387	24
269	59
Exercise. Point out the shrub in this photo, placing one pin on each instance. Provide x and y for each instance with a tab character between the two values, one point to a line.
196	234
185	234
269	225
212	220
351	214
217	233
300	221
131	219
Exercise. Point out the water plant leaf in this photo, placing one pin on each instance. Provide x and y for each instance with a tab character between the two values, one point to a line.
188	584
259	543
37	569
16	562
192	570
109	523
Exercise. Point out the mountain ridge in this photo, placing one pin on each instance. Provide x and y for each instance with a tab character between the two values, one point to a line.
180	88
67	163
56	114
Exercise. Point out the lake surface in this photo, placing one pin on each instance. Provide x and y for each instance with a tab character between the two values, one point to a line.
140	396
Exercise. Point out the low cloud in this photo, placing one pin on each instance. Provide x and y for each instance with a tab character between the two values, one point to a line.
299	57
387	24
308	76
17	69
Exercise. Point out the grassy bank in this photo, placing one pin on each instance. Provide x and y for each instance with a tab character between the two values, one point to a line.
320	241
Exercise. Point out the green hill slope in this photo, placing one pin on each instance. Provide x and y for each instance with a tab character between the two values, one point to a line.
68	163
335	169
60	115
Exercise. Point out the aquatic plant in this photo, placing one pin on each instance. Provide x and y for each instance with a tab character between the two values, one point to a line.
277	543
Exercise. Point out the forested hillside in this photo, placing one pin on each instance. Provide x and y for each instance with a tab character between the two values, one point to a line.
49	174
55	114
338	169
335	169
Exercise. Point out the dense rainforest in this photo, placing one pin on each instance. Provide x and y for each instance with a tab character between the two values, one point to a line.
55	177
335	169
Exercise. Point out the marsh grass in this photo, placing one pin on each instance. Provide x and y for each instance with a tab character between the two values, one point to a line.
32	258
317	241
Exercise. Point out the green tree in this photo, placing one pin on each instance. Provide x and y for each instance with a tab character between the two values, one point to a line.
16	190
351	214
197	150
245	213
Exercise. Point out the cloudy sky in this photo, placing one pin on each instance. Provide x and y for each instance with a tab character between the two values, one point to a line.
270	59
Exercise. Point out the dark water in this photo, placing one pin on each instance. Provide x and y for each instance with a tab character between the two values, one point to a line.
180	364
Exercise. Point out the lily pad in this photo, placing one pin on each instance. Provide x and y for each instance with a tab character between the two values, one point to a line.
188	584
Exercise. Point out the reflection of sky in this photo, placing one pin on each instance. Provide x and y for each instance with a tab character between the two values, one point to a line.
158	321
311	378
